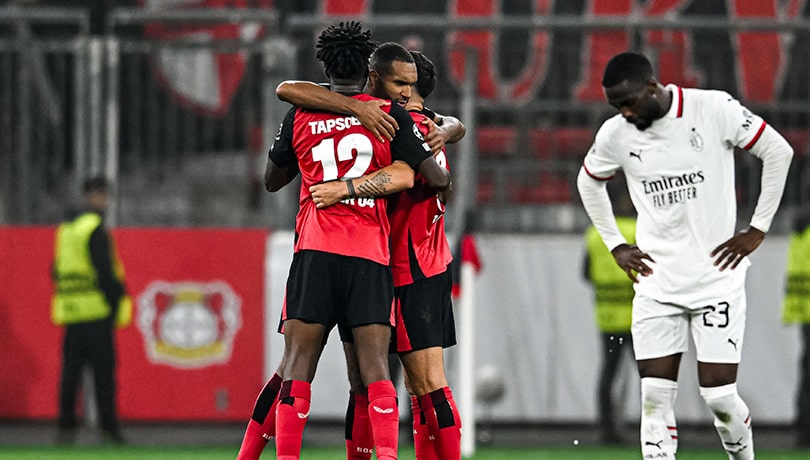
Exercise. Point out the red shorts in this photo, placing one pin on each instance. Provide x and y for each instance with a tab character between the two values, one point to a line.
332	289
424	314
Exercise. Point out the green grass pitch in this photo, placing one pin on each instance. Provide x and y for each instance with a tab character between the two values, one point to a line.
312	453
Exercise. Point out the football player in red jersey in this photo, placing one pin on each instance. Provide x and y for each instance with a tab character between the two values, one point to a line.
420	256
344	247
422	288
261	426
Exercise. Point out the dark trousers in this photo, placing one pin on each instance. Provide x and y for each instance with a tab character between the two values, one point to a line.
803	393
88	344
613	345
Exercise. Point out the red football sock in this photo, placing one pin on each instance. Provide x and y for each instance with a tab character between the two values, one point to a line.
252	443
384	415
443	422
359	437
422	443
262	424
291	418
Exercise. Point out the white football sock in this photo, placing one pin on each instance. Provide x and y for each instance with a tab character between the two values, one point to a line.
732	419
657	415
669	418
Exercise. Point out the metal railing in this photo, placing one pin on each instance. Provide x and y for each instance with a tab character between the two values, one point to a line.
507	197
191	92
133	104
37	73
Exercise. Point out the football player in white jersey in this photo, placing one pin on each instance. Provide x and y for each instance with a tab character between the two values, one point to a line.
676	148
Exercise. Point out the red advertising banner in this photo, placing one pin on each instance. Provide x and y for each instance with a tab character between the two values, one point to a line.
30	345
194	350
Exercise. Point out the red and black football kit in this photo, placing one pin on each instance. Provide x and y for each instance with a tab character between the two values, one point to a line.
328	146
420	255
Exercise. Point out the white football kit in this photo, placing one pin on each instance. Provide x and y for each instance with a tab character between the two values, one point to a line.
680	175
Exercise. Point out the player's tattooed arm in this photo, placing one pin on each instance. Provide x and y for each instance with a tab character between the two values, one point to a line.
376	185
394	178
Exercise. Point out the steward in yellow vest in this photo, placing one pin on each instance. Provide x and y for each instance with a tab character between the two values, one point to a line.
797	291
88	274
613	290
89	300
796	309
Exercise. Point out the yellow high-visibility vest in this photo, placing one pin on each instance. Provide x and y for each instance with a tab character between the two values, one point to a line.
797	290
77	297
612	288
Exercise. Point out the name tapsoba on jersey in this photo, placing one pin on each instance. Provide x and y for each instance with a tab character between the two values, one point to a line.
328	146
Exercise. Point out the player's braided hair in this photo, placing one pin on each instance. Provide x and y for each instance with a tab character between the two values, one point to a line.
633	67
344	50
426	74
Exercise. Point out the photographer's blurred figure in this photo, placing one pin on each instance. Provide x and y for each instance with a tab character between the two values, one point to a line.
797	311
90	301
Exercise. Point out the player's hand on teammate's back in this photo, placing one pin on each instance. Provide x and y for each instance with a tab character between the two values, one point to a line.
437	136
377	121
631	259
328	193
732	251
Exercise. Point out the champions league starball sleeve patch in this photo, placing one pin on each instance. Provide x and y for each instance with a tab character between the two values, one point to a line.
418	133
419	136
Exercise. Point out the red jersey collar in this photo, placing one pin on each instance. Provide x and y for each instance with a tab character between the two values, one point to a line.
676	108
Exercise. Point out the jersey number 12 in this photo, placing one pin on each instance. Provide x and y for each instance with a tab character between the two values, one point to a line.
357	146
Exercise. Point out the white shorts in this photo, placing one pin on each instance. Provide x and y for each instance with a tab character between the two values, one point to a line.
717	327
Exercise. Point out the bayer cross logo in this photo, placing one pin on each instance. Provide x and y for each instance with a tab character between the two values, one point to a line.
189	324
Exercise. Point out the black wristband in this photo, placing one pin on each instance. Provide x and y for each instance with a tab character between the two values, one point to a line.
350	186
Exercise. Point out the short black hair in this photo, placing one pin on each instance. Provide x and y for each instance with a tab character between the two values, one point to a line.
426	72
344	50
95	184
630	66
383	57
